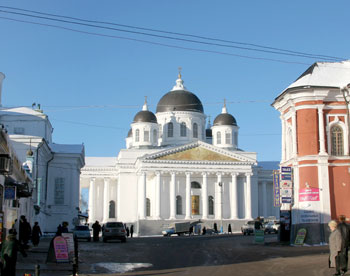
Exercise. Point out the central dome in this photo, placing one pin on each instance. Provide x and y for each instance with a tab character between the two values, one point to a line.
179	100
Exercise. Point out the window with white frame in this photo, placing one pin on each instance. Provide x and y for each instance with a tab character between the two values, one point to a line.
195	130
227	137
59	191
178	205
148	207
170	129
218	137
211	205
146	135
137	135
183	129
337	146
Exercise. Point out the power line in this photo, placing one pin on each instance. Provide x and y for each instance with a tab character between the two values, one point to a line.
157	43
169	37
303	54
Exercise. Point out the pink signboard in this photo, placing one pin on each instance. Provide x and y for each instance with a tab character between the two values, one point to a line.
61	249
309	194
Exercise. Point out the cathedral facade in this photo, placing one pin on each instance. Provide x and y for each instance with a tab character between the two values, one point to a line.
177	168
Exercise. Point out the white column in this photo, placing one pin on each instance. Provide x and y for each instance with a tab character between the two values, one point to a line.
294	131
248	205
283	138
188	195
321	131
234	197
142	199
158	195
205	196
264	199
106	200
92	190
219	197
172	196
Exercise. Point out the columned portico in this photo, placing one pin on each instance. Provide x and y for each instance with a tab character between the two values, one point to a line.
158	196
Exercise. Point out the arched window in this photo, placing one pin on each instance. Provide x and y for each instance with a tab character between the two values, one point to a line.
137	135
148	207
227	137
337	141
183	129
155	136
235	139
195	185
170	129
195	130
146	135
179	205
211	205
111	209
218	137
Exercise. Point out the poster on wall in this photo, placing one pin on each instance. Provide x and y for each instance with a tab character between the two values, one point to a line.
309	194
10	216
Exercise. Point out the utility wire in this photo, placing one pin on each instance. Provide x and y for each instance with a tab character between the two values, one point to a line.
166	37
157	43
181	34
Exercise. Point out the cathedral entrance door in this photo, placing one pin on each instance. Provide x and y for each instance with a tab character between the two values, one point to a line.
195	205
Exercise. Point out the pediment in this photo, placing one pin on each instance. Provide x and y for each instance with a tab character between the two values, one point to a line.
198	151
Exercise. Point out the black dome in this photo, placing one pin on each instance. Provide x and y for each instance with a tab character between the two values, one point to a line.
208	132
145	116
179	100
225	119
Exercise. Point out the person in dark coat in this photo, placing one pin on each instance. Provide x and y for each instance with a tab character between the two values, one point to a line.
345	233
258	224
36	234
204	231
229	230
96	229
9	250
131	230
24	231
215	227
65	227
335	246
59	230
127	231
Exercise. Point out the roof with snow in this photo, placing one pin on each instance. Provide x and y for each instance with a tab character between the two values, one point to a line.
65	148
324	74
20	111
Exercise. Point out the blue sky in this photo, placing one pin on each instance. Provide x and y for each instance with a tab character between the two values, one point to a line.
91	86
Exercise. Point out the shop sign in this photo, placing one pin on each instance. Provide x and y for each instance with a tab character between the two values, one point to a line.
300	238
70	243
286	177
286	184
309	194
10	193
276	190
61	249
259	236
286	169
286	193
286	199
309	216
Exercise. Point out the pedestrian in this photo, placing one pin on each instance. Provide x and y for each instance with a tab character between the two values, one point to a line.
36	234
127	232
345	233
59	230
204	230
131	230
215	227
258	224
65	227
9	250
24	231
96	229
229	230
335	246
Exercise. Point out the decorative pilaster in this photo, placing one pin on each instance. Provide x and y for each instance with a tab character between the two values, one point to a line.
322	144
106	200
264	199
92	190
248	207
205	196
294	131
234	197
158	195
172	196
188	195
219	197
283	139
142	193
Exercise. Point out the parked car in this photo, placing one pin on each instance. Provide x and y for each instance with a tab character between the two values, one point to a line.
248	227
272	227
113	231
82	232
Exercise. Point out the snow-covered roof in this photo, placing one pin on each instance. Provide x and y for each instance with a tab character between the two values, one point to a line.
100	161
65	148
269	165
19	111
324	74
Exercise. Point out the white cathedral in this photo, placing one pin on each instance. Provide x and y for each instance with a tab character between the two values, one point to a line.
176	169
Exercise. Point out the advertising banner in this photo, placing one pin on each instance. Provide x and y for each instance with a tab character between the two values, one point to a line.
61	249
309	194
276	190
286	169
309	216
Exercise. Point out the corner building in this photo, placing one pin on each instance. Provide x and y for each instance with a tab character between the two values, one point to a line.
174	168
315	142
